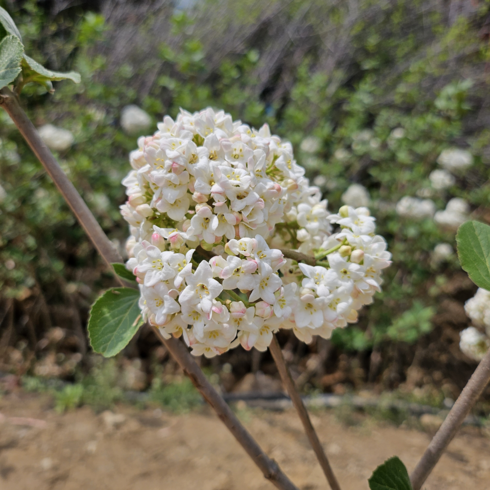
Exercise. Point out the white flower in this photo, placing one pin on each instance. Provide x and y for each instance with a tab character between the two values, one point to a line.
442	252
441	179
286	299
455	159
356	196
311	144
478	308
309	311
56	139
473	343
201	288
268	284
158	304
134	120
411	207
455	214
397	133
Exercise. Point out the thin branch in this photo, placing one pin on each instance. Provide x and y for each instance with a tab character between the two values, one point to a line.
269	468
451	425
298	256
276	352
8	100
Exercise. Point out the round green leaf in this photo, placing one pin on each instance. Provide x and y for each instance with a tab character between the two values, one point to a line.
8	23
391	475
114	319
36	72
473	240
11	51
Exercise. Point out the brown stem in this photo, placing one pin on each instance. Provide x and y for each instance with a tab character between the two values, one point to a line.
269	468
9	101
451	425
276	352
298	256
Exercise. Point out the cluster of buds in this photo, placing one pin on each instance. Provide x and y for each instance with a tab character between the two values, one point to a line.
218	213
475	342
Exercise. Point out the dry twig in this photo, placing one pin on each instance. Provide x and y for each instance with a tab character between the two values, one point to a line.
276	352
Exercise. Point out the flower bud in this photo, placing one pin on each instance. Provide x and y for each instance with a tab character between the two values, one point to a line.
186	224
136	199
157	240
207	246
199	197
176	240
345	250
357	256
250	266
176	168
263	309
302	235
228	250
344	211
145	210
237	309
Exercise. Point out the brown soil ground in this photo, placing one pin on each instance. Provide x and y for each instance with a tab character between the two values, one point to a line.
150	449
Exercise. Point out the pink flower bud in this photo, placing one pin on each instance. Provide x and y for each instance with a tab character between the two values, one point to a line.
186	224
237	309
136	199
175	240
157	240
176	168
199	197
263	309
250	266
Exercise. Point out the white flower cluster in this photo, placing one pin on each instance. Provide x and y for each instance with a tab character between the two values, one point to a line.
456	213
475	343
455	160
212	205
356	196
414	208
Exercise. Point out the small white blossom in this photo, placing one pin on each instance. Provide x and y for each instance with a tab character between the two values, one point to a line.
441	179
356	196
474	343
57	139
134	120
418	209
455	159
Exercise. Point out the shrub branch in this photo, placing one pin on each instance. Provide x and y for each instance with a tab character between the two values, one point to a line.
276	352
452	423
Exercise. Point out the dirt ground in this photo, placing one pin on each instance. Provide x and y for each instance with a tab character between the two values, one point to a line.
150	449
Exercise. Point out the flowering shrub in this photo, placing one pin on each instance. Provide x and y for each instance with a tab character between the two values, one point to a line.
216	211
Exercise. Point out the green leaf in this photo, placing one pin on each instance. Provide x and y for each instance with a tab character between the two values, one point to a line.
114	319
121	271
8	24
391	475
11	51
35	72
473	240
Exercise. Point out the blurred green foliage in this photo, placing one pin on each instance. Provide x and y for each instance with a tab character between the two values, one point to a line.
430	91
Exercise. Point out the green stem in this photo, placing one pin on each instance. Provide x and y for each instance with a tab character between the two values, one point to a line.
321	255
236	297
